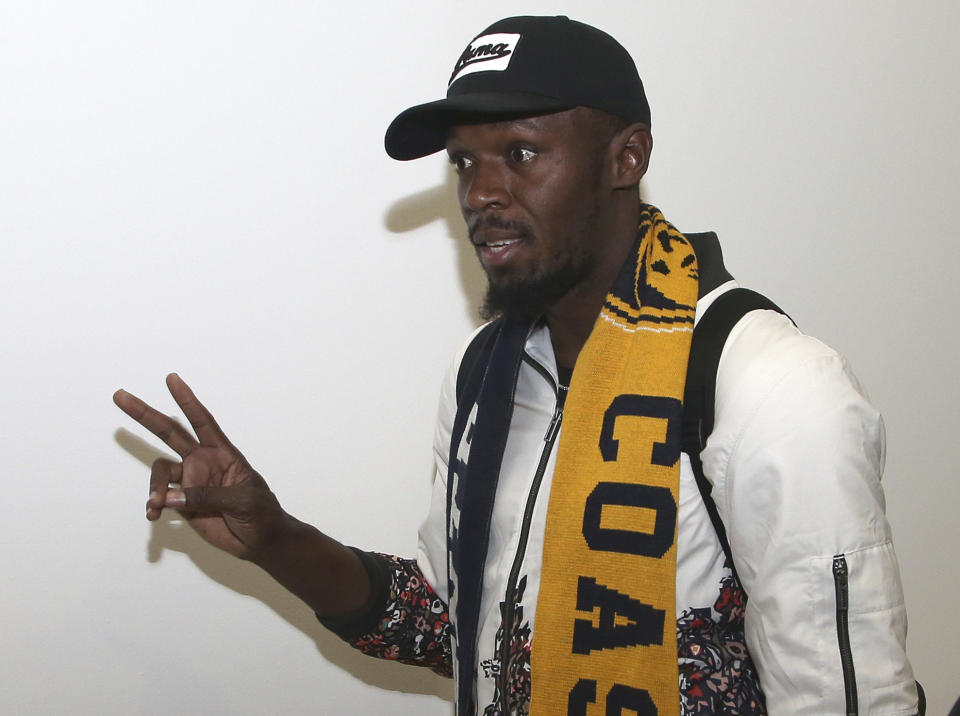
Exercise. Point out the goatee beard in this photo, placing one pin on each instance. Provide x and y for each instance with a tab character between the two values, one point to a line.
529	296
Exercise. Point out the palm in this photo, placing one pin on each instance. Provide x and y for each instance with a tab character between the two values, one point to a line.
214	488
216	467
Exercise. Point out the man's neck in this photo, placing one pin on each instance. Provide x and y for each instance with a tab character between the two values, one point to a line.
570	327
571	318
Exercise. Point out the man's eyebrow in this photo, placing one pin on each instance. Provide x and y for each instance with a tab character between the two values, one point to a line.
525	122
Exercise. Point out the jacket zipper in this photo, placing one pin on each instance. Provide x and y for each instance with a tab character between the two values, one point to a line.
509	606
840	577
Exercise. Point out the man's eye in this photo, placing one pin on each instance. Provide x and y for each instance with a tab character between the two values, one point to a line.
460	163
522	154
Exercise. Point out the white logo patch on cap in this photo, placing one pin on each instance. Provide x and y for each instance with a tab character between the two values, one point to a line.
487	52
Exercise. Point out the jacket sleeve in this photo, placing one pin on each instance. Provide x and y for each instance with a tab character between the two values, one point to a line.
404	620
796	457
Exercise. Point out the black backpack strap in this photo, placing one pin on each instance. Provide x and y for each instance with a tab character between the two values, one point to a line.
476	355
709	338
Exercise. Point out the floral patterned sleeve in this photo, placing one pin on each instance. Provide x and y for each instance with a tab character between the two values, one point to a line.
404	620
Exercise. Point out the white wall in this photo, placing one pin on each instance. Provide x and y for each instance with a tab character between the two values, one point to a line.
201	187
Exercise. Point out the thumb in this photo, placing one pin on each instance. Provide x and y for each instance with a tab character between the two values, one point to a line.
235	501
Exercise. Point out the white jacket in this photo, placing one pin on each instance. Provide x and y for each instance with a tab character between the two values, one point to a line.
795	459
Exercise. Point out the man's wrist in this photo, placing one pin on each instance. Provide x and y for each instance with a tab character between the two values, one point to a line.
329	576
284	538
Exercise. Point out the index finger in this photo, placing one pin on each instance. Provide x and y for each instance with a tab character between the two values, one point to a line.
163	426
204	425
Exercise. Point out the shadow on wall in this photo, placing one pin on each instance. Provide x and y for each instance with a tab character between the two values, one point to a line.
170	533
440	203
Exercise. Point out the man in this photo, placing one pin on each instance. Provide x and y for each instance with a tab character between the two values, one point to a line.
564	515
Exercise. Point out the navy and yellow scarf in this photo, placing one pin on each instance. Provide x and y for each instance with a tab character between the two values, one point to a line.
606	622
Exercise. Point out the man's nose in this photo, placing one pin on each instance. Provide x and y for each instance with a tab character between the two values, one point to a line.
487	186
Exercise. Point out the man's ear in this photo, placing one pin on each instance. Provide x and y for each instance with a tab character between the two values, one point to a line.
631	149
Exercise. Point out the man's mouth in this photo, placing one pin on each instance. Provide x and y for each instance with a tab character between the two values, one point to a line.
499	243
496	240
494	248
496	235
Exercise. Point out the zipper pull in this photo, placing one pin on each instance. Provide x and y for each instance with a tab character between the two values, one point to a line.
840	576
554	426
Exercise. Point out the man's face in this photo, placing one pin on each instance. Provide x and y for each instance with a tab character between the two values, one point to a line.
531	191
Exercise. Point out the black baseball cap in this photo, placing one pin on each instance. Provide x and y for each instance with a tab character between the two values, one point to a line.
524	66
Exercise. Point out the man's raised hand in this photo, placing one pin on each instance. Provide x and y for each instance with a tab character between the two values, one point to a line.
230	505
213	488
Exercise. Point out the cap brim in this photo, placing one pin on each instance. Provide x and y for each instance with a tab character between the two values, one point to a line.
422	130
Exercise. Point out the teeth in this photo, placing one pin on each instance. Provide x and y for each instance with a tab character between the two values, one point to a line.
501	244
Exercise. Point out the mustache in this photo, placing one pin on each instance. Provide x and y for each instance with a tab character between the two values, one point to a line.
491	221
